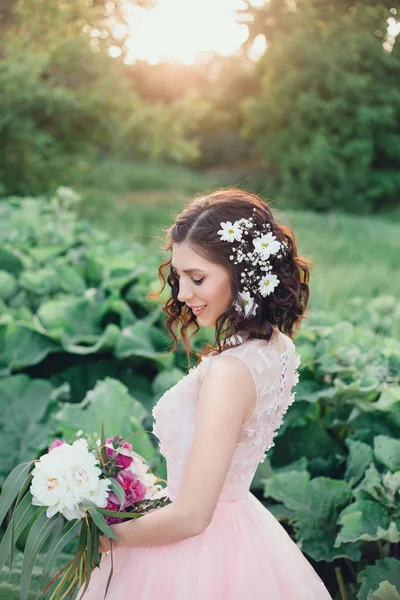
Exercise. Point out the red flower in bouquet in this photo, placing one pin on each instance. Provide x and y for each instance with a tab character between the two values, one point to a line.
123	451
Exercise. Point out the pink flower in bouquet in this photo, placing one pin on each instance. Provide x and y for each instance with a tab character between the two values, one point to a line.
55	444
135	491
123	452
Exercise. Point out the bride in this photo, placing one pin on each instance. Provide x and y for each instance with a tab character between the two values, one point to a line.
234	268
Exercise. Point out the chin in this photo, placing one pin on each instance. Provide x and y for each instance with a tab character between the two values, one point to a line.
205	322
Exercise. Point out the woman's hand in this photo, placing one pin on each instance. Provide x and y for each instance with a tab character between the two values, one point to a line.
105	544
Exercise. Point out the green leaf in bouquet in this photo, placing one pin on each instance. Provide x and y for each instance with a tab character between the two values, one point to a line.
20	497
387	451
65	533
23	406
386	569
38	534
100	522
21	518
12	487
360	521
99	406
359	458
118	491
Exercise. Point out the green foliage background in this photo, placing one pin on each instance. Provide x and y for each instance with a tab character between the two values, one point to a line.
78	337
313	123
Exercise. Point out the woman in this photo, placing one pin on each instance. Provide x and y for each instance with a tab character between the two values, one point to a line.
232	267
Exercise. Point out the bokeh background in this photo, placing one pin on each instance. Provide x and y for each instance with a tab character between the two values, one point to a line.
113	114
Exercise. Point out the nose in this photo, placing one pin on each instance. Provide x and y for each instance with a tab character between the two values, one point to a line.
185	292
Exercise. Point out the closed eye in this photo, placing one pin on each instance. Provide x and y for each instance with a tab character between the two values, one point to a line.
197	281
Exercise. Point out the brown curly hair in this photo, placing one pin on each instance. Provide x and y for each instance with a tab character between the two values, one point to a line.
197	225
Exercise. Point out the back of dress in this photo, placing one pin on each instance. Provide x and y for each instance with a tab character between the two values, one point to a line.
273	366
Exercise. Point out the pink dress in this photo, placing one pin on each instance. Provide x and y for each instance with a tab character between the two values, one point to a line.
244	552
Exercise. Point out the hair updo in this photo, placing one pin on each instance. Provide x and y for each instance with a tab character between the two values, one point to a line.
197	225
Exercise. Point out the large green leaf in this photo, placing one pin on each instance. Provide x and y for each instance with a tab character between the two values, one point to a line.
23	407
84	376
21	346
385	591
386	569
315	505
10	261
359	458
41	281
135	341
360	521
387	451
370	486
109	402
313	442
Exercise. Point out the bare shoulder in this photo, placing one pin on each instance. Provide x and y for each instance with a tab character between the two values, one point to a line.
229	371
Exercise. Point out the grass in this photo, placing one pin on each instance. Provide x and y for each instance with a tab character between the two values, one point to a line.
353	255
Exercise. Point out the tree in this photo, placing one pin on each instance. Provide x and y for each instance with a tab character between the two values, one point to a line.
63	99
327	118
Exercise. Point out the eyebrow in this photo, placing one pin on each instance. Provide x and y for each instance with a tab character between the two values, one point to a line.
188	270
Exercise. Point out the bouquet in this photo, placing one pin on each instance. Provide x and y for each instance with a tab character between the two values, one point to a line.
79	488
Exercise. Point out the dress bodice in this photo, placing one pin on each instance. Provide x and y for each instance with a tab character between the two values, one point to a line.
273	366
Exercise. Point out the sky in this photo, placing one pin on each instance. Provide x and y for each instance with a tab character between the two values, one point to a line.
186	30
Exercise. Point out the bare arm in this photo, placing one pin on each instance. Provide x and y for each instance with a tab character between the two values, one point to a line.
226	392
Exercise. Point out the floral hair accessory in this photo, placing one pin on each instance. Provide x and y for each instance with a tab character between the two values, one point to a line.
253	248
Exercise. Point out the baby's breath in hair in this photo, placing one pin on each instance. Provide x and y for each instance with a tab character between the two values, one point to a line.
254	246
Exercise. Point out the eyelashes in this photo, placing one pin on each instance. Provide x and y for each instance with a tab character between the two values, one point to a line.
195	281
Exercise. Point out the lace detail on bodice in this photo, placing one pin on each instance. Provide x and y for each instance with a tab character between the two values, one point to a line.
274	374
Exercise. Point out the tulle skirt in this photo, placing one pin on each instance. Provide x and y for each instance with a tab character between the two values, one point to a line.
244	553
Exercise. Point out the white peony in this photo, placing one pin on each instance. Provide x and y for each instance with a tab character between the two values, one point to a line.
67	476
268	284
266	245
229	232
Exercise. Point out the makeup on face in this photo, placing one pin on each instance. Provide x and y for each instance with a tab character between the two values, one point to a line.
203	285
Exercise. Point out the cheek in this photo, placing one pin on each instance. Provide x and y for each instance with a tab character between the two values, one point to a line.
217	292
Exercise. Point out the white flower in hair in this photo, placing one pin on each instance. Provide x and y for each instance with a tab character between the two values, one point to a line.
266	245
229	232
267	284
250	306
